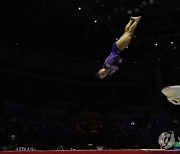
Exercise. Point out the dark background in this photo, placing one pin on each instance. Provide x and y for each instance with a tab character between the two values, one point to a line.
50	51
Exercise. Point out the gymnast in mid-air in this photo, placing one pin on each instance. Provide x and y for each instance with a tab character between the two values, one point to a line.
110	65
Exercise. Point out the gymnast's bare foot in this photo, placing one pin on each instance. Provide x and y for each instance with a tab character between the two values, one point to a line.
136	18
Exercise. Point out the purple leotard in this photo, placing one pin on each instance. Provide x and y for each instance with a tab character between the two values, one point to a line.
112	60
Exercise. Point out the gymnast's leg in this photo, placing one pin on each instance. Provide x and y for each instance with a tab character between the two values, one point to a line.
125	39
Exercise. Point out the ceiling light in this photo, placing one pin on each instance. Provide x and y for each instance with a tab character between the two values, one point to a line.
143	3
136	10
129	12
151	1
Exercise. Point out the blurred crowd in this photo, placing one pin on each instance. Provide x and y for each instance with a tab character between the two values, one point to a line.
50	128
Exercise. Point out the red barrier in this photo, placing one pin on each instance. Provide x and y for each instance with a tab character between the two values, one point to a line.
127	151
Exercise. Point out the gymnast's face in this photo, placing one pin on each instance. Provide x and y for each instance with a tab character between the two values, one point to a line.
102	73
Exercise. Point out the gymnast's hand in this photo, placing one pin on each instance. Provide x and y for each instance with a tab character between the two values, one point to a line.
120	60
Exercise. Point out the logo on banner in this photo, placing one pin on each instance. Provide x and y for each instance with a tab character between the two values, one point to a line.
166	140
